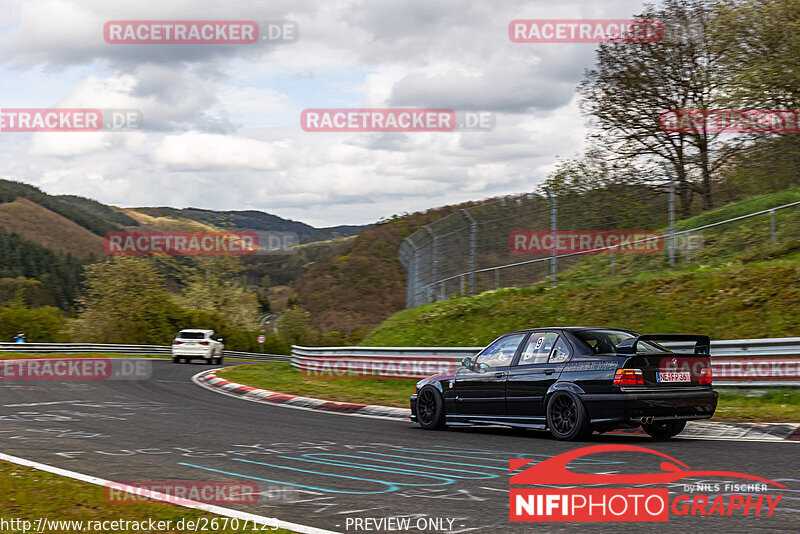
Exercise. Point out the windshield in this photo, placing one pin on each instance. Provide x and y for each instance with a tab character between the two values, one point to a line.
606	341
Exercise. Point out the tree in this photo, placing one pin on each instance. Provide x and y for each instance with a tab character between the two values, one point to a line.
40	325
214	285
294	326
758	43
632	84
125	302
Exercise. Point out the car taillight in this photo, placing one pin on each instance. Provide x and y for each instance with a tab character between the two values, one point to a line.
705	375
204	342
176	342
628	377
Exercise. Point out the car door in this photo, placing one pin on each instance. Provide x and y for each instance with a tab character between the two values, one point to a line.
538	367
483	391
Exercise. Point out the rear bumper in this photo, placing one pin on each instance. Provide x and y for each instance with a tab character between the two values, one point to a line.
629	407
204	353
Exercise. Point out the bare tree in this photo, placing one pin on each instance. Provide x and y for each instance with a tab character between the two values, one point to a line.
633	83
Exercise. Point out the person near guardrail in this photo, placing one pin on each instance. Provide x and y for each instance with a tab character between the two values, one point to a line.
19	338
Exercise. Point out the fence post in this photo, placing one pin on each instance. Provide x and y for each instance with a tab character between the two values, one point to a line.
497	278
473	228
553	230
462	283
434	260
611	260
688	247
411	274
671	217
772	227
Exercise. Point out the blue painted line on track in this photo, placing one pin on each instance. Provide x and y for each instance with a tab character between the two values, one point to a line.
326	490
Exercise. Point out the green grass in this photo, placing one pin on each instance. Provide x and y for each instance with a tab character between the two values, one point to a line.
758	299
741	241
739	208
778	404
281	377
28	494
771	405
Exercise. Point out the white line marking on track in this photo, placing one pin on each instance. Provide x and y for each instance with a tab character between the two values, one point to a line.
42	403
219	510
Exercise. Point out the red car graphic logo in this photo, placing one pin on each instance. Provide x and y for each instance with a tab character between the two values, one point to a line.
553	471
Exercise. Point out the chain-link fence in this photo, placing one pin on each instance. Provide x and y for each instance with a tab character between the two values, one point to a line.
624	230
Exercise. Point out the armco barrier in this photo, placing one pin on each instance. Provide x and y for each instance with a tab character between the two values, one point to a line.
738	362
133	350
395	362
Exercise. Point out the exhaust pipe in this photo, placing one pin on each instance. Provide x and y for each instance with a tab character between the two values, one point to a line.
646	420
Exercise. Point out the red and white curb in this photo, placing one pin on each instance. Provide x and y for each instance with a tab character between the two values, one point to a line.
694	429
210	380
730	431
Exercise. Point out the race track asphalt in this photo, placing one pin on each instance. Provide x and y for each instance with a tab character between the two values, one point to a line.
327	470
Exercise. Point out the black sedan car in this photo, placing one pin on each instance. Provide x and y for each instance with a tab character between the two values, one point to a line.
572	381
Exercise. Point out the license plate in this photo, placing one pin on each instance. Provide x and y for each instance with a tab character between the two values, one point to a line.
674	377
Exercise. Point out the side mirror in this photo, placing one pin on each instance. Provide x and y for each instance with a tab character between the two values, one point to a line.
466	362
219	339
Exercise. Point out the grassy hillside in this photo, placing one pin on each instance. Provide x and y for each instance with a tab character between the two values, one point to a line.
109	213
366	284
44	227
354	292
11	190
760	299
150	221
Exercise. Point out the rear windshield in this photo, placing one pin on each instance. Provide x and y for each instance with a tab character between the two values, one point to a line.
191	335
606	341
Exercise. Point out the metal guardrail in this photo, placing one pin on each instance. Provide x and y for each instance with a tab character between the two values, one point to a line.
395	362
133	350
737	362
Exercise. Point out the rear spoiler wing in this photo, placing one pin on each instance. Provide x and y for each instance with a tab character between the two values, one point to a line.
702	345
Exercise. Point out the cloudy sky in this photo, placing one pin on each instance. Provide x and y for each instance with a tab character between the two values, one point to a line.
221	123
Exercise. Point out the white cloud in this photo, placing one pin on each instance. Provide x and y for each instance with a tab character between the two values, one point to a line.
221	123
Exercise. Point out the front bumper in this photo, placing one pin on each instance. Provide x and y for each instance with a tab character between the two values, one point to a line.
413	402
630	406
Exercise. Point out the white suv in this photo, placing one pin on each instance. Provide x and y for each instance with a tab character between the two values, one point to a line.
197	344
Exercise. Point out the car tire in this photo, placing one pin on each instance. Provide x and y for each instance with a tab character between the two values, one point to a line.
567	418
174	359
430	409
665	429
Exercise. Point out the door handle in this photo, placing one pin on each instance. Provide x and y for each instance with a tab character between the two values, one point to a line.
549	371
499	375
